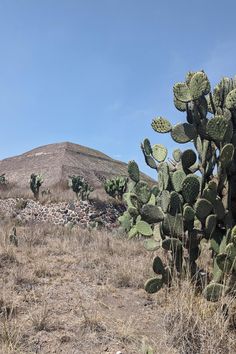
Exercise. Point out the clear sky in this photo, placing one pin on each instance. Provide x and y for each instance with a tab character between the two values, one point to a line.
95	72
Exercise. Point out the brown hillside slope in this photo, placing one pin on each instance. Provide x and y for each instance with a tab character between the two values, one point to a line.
58	161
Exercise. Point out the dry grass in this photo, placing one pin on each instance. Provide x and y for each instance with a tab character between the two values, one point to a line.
194	325
76	291
58	193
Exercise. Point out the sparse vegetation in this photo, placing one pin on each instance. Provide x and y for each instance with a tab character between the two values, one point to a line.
35	183
65	289
3	180
80	186
116	187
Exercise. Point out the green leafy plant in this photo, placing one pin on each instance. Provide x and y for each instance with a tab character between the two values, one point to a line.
116	187
80	186
35	183
195	196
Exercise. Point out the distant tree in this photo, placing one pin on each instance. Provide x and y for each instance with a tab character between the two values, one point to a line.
35	183
80	186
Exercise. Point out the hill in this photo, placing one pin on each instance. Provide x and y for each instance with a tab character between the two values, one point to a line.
58	161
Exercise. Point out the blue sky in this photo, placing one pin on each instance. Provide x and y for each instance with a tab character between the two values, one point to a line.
95	72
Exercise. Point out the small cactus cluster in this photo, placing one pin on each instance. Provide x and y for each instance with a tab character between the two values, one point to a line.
35	183
116	187
13	239
3	180
80	186
141	210
195	196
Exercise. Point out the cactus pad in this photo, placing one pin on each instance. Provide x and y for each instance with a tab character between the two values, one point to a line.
173	225
177	179
134	201
151	244
210	194
188	158
163	175
190	188
165	200
183	133
181	106
176	203
182	92
133	171
224	262
155	190
144	228
152	213
231	100
217	128
159	152
147	146
226	155
203	208
125	221
199	85
152	200
172	244
211	221
188	213
161	125
177	155
142	191
230	250
132	232
219	209
214	291
150	161
133	212
153	285
158	266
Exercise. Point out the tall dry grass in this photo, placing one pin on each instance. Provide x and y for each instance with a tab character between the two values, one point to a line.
81	291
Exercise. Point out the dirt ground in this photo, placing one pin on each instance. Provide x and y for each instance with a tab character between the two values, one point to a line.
76	292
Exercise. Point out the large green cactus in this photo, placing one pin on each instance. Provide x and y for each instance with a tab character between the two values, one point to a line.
195	196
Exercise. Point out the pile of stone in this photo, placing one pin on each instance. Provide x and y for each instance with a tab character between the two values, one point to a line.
82	213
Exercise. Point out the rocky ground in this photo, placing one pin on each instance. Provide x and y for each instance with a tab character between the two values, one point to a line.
82	213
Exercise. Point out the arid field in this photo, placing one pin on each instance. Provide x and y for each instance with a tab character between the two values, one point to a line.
79	291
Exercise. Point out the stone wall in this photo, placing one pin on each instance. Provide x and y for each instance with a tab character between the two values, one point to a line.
82	213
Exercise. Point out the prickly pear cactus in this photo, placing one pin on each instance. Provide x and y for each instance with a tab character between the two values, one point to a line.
3	180
116	187
195	195
80	186
35	183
